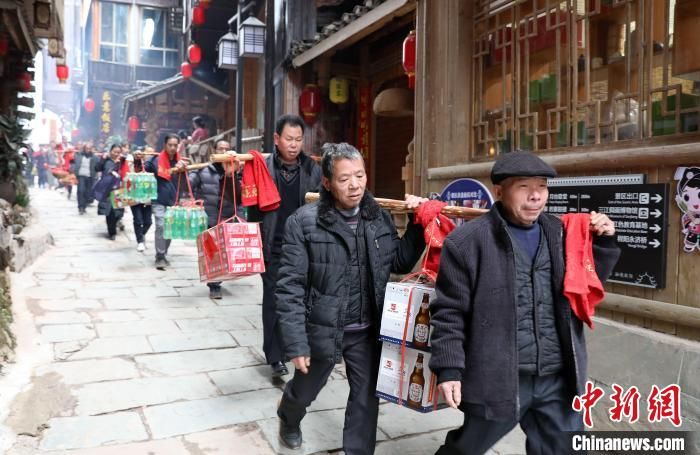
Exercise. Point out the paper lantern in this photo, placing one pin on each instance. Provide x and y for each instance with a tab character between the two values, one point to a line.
25	81
409	58
89	104
198	16
339	90
228	51
194	54
62	73
310	103
252	38
134	123
186	70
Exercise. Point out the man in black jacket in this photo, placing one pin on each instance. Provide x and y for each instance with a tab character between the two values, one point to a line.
506	346
294	174
84	167
336	260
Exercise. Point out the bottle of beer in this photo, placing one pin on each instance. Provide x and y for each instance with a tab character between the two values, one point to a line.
421	328
416	384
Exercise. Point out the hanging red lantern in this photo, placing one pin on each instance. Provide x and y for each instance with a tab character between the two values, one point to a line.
25	81
89	104
194	54
310	103
134	123
186	70
4	45
75	133
198	16
62	73
409	58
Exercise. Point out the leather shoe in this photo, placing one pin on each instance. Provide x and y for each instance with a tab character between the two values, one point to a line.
279	369
290	436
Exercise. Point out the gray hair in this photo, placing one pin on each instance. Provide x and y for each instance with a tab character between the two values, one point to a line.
336	152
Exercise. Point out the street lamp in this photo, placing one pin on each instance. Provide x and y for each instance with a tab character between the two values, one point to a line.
228	51
250	42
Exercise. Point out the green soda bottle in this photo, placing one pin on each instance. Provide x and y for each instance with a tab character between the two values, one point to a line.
177	223
168	224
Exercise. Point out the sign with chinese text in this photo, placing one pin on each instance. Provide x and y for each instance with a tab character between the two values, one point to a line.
467	193
106	117
364	122
640	213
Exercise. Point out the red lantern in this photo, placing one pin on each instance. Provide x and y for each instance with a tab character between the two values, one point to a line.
409	58
186	70
75	133
198	16
89	104
25	82
194	54
62	73
4	45
133	123
310	103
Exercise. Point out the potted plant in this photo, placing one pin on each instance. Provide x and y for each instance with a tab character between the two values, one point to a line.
12	137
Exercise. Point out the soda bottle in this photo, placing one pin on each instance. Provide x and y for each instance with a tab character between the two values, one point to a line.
153	186
168	224
177	223
194	224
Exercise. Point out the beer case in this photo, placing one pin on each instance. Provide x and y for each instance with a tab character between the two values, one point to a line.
229	251
391	375
398	299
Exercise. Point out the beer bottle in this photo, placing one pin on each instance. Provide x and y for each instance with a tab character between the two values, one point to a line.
416	384
421	328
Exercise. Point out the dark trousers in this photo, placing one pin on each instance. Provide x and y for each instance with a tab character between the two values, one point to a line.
84	190
272	345
545	417
142	220
361	353
113	218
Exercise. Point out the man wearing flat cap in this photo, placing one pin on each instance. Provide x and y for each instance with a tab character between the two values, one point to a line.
506	345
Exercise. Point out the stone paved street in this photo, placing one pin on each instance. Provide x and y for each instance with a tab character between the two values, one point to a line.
116	357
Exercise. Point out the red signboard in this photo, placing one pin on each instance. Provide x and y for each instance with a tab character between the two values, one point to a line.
364	122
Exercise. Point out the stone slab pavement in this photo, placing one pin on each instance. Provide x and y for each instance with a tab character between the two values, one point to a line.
116	357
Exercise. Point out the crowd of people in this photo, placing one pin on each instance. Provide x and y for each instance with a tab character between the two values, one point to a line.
506	347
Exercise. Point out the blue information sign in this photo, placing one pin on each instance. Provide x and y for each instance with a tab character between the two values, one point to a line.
467	193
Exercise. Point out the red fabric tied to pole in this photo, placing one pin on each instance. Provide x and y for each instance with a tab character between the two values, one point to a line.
581	283
436	227
257	186
230	251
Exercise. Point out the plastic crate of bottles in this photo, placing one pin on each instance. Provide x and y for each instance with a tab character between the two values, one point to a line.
184	222
140	187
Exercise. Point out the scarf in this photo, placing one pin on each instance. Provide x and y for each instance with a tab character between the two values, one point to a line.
164	165
436	226
257	186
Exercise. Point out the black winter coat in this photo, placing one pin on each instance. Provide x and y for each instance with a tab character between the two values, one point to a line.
313	286
310	175
106	166
475	313
208	184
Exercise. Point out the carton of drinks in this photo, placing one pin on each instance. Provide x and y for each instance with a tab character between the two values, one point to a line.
229	251
414	385
403	298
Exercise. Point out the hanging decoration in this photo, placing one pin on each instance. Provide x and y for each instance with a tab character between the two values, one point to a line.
89	104
339	90
106	117
62	73
205	4
186	70
25	81
409	58
198	16
134	123
688	200
310	103
194	54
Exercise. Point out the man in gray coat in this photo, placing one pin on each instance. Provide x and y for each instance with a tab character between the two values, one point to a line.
506	345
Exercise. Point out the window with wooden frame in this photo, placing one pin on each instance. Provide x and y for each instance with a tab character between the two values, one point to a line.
114	32
556	75
158	44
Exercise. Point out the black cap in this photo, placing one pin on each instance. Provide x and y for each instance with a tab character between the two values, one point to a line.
520	164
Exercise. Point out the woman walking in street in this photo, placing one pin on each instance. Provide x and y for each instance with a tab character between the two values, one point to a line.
111	164
141	212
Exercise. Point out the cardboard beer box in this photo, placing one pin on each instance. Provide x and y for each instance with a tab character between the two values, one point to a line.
399	299
419	391
229	251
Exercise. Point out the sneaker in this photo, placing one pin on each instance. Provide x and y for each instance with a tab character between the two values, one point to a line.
120	225
141	247
279	369
161	263
167	263
290	436
111	237
215	293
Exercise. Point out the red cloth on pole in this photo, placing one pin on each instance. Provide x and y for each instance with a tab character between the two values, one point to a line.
257	186
436	226
164	165
581	283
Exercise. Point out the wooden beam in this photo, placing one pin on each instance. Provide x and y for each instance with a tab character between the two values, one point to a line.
662	311
582	161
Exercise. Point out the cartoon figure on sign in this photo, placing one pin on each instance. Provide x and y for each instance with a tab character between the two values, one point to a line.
688	199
